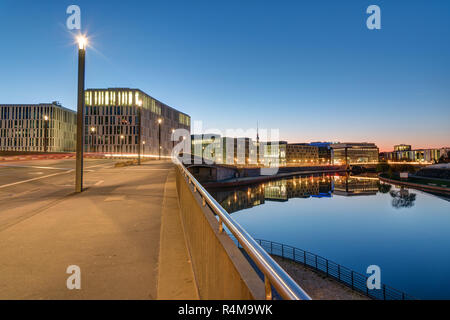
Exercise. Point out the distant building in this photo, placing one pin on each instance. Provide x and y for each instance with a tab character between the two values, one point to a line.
207	146
301	153
324	151
45	127
402	147
417	155
238	151
273	153
111	122
354	153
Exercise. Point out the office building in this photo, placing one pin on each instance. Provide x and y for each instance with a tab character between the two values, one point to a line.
301	153
324	151
273	153
404	153
46	127
112	122
354	153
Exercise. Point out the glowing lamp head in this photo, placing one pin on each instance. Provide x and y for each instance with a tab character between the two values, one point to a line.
82	42
159	120
121	137
46	118
93	129
139	103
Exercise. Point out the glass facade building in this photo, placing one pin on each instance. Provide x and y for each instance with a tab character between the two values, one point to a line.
37	128
112	122
354	153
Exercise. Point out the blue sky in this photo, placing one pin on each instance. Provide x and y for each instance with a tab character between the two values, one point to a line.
310	68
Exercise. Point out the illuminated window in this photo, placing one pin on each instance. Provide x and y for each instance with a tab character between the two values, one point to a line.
95	97
130	98
107	98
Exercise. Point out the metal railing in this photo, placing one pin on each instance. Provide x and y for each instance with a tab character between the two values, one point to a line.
274	275
350	278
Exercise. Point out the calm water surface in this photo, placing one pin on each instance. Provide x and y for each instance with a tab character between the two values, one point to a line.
356	222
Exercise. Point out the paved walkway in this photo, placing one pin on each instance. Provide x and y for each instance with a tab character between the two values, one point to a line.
124	232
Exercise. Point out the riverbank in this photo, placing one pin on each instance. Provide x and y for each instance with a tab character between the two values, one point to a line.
318	286
242	181
417	184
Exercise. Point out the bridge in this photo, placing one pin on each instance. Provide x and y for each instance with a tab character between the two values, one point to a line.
136	232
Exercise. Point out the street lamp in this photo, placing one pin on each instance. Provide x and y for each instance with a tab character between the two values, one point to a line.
121	145
82	43
139	103
173	140
159	137
143	149
45	133
92	138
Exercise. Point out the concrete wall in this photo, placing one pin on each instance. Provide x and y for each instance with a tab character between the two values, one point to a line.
220	269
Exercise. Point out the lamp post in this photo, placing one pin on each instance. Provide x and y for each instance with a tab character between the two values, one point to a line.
121	145
92	138
45	133
159	138
143	149
139	130
173	140
82	42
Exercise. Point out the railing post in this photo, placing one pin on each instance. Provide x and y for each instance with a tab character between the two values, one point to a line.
293	253
268	288
304	257
270	247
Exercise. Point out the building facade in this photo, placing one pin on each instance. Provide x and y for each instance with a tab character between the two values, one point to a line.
416	155
354	153
301	153
112	122
46	127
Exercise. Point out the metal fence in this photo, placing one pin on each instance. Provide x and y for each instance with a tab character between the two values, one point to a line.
349	278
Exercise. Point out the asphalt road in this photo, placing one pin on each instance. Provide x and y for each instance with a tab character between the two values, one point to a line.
36	184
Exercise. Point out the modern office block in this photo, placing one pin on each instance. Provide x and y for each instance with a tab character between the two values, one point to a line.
354	153
112	122
46	127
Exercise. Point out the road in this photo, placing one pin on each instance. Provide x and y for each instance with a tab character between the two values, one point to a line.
113	231
26	187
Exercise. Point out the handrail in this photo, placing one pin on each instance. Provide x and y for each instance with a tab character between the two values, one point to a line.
352	279
274	275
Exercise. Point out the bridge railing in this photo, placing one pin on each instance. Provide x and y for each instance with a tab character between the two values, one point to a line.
349	278
274	275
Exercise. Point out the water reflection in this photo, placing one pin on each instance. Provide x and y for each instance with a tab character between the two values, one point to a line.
402	198
323	186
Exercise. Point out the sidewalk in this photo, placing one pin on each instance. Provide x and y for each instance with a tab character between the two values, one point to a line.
113	232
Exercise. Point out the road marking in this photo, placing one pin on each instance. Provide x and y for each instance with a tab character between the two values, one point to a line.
34	179
99	183
35	167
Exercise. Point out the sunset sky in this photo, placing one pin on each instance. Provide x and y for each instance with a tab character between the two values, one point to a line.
309	68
